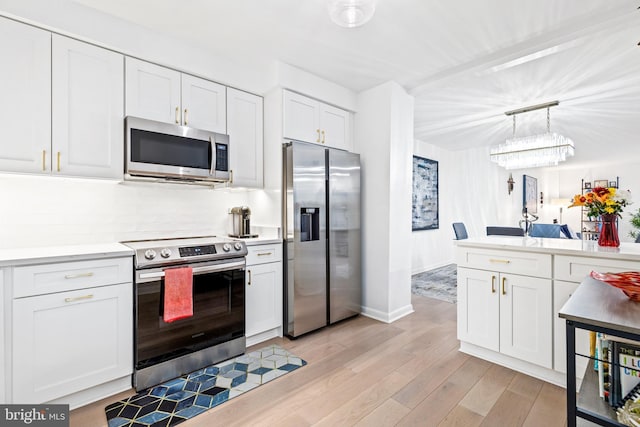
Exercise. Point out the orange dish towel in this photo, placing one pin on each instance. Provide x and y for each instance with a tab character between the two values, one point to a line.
178	294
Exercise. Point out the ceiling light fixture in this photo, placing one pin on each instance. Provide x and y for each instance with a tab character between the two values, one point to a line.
547	149
351	13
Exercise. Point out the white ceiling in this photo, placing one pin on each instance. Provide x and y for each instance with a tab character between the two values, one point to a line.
466	62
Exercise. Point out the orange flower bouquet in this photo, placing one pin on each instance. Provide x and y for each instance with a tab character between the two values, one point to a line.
603	201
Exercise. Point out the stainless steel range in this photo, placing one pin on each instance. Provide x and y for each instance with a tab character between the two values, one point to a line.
215	331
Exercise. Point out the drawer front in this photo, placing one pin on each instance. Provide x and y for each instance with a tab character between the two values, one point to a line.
67	276
576	269
525	263
261	254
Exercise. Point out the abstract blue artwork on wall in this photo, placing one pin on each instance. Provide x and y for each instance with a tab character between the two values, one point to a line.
425	194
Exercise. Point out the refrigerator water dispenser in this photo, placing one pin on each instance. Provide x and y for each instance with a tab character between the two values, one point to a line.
309	224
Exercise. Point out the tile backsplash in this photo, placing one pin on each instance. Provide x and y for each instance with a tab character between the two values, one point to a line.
45	211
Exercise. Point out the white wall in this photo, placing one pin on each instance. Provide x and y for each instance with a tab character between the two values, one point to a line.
432	248
384	139
45	211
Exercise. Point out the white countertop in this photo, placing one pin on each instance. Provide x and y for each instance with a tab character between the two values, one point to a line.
38	255
574	247
260	240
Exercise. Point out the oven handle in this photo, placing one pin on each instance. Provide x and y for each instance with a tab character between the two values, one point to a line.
199	270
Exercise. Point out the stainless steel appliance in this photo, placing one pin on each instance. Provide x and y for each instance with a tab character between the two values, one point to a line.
241	222
172	152
321	216
215	332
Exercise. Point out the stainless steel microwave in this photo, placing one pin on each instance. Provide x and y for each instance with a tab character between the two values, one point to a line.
173	152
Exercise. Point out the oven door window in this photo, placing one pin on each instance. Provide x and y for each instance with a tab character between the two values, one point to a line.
218	316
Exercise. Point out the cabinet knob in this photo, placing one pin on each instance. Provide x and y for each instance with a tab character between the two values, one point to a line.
318	130
504	291
58	161
249	282
185	116
178	115
323	137
493	284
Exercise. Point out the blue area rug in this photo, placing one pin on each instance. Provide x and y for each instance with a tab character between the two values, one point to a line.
440	283
178	400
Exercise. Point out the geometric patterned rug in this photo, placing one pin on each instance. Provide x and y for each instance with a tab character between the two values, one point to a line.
182	398
440	283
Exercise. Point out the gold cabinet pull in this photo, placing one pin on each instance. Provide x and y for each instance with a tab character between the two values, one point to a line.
323	137
265	254
231	176
177	115
318	130
83	297
44	160
185	116
493	284
249	282
58	161
77	276
504	291
501	261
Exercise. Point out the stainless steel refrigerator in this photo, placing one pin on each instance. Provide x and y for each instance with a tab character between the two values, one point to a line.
321	217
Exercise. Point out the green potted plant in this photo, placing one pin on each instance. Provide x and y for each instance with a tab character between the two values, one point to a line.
635	223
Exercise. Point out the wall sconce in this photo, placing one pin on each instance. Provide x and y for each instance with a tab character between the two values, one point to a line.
510	183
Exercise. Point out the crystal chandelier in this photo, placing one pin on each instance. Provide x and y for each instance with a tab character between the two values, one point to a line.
351	13
547	149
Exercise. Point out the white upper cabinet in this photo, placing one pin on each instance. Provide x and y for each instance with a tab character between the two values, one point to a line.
203	104
245	128
334	127
158	93
306	119
25	109
62	109
88	113
152	92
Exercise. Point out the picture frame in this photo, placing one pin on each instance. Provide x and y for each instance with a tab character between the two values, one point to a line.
587	186
601	183
529	194
424	198
613	184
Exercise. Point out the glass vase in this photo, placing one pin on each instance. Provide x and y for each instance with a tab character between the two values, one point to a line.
608	231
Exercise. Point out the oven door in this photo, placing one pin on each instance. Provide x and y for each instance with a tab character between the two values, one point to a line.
218	312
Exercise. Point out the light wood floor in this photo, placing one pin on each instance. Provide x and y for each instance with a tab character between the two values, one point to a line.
365	373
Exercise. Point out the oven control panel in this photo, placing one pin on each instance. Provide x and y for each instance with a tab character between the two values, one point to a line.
197	250
157	253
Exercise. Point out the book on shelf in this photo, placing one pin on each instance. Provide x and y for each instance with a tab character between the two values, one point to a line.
629	368
619	368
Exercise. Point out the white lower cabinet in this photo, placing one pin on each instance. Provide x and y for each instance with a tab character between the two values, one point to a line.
506	313
263	292
68	342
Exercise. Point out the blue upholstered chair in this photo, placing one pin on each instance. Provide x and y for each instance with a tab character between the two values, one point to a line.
504	231
460	230
555	231
545	230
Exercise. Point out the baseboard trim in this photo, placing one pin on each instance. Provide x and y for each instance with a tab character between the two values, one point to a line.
93	394
387	317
